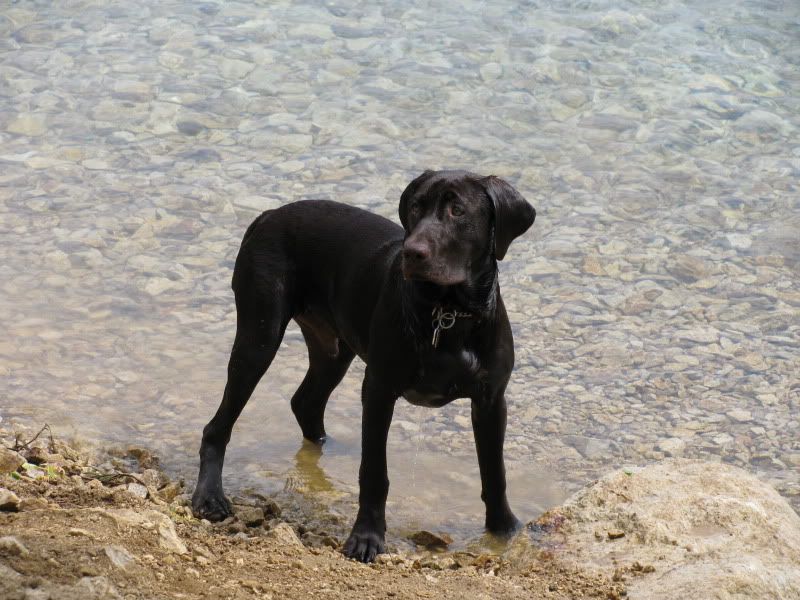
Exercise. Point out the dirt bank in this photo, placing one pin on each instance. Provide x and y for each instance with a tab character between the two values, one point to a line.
78	523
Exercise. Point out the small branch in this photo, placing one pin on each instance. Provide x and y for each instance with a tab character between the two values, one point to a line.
621	495
109	477
25	445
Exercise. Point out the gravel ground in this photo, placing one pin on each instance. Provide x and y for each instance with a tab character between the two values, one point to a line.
80	524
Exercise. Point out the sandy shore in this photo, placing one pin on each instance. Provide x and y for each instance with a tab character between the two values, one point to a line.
107	523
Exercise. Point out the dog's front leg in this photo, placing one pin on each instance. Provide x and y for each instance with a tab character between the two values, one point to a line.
489	427
367	537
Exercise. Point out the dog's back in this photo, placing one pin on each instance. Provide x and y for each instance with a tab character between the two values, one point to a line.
322	257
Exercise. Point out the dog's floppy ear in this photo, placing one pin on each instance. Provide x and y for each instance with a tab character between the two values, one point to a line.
512	213
410	190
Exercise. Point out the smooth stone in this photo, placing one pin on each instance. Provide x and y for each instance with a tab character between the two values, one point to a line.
137	489
438	564
491	71
463	421
740	415
672	446
704	335
10	461
170	491
259	203
722	106
739	240
590	447
688	267
609	121
119	556
231	68
190	128
9	501
407	426
312	30
10	545
96	164
572	97
168	538
763	126
158	285
96	588
285	535
28	124
431	540
154	478
292	143
252	516
722	439
134	89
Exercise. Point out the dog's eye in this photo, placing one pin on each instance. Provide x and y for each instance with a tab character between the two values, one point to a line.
414	207
456	210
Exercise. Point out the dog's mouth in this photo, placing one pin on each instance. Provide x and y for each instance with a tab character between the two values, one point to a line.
427	274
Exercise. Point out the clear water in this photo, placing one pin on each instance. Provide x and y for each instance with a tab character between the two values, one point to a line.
655	302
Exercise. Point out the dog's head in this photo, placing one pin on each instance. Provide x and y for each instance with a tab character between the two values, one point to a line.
455	220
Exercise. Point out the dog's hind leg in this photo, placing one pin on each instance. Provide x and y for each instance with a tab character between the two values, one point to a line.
328	361
263	309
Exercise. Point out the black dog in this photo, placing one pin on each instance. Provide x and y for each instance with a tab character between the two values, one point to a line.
420	305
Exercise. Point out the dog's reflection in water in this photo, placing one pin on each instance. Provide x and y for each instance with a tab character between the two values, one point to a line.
308	478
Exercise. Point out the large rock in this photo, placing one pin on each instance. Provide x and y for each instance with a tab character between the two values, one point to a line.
677	529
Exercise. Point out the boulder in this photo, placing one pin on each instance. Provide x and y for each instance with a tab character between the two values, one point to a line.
676	529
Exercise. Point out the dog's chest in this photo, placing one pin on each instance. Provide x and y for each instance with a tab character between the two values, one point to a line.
443	376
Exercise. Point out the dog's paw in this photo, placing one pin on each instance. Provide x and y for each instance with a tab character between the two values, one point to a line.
364	546
316	438
212	507
504	525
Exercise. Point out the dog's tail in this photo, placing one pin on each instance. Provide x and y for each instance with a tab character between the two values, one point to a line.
243	267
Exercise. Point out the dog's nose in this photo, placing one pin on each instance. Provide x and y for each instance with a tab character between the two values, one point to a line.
416	251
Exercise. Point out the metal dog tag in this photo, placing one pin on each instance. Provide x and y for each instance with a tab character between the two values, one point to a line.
441	320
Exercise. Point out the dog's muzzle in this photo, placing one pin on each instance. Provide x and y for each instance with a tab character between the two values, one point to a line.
416	258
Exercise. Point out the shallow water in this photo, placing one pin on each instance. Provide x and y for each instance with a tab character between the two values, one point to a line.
655	302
